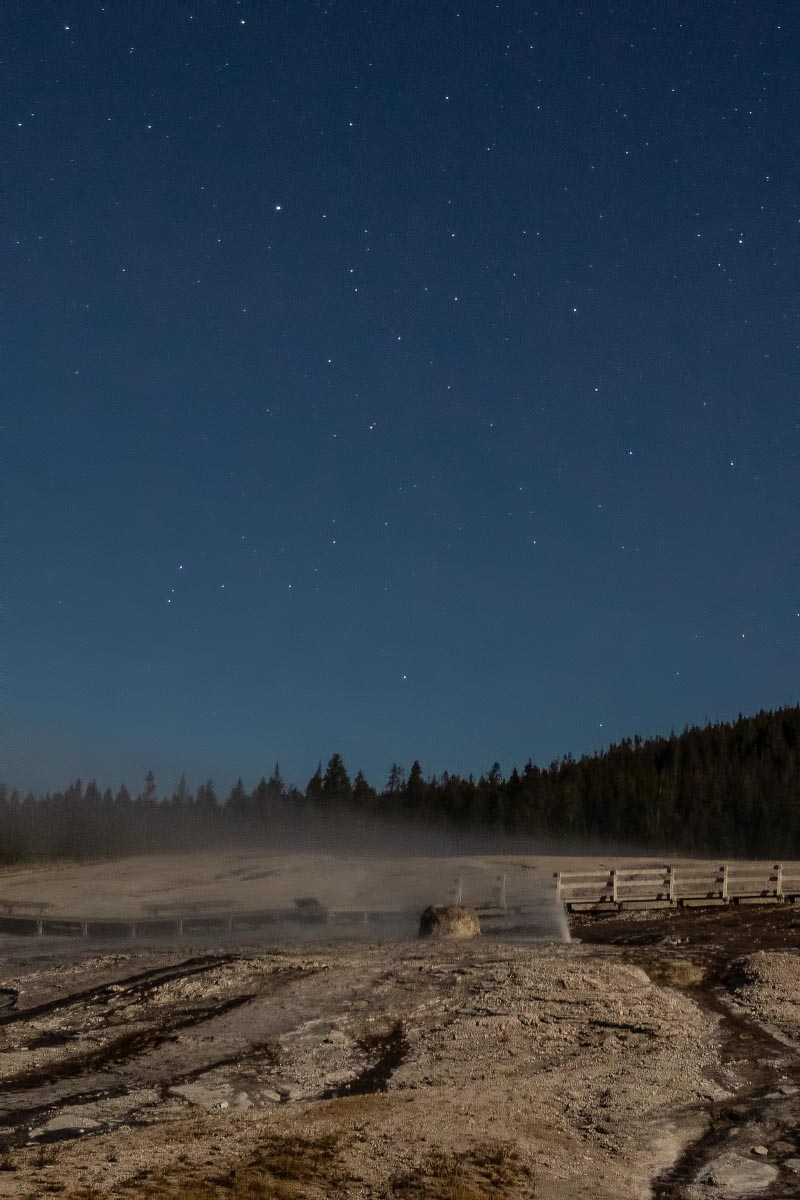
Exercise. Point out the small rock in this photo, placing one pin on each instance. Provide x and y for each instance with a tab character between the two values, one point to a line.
760	1150
65	1123
793	1164
199	1094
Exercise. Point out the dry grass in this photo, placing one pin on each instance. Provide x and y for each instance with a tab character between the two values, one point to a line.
493	1169
299	1159
678	972
347	1110
291	1168
278	1170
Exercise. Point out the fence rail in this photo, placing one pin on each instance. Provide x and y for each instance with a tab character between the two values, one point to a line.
36	906
675	885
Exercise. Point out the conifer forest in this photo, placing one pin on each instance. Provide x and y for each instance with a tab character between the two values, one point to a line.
730	788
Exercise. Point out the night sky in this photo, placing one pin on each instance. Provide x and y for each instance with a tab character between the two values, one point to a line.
408	380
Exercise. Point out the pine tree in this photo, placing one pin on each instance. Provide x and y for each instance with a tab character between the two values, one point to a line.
314	787
238	802
276	788
415	791
364	796
396	781
336	785
182	796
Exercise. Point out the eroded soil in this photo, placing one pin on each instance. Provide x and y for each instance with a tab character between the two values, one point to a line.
656	1055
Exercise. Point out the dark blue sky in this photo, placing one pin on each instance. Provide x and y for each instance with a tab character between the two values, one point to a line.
407	380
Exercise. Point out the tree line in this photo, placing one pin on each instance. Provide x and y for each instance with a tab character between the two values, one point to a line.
731	788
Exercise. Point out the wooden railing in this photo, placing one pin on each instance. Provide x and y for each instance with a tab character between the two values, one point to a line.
187	907
675	884
25	906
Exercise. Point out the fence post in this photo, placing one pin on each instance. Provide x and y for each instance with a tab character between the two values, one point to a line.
724	881
778	869
85	929
671	884
459	890
557	877
501	891
613	874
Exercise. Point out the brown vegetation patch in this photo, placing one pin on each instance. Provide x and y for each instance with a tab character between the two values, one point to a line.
346	1111
492	1169
678	973
280	1169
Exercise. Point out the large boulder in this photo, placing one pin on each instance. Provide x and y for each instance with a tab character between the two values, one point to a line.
449	921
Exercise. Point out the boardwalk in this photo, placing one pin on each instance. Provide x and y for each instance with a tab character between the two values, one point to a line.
601	890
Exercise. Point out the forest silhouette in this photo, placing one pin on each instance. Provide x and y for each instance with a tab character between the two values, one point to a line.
728	788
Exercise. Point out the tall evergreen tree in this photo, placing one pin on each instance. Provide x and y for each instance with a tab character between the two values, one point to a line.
364	796
314	786
336	785
276	788
238	802
396	781
415	790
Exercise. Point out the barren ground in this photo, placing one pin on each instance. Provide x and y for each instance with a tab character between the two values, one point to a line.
655	1055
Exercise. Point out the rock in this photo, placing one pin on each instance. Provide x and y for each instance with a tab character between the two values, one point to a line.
449	921
735	1175
67	1123
760	1150
201	1095
793	1164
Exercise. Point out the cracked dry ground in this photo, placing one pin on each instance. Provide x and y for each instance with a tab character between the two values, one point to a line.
451	1071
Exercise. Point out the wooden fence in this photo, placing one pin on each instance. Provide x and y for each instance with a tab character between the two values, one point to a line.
683	884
